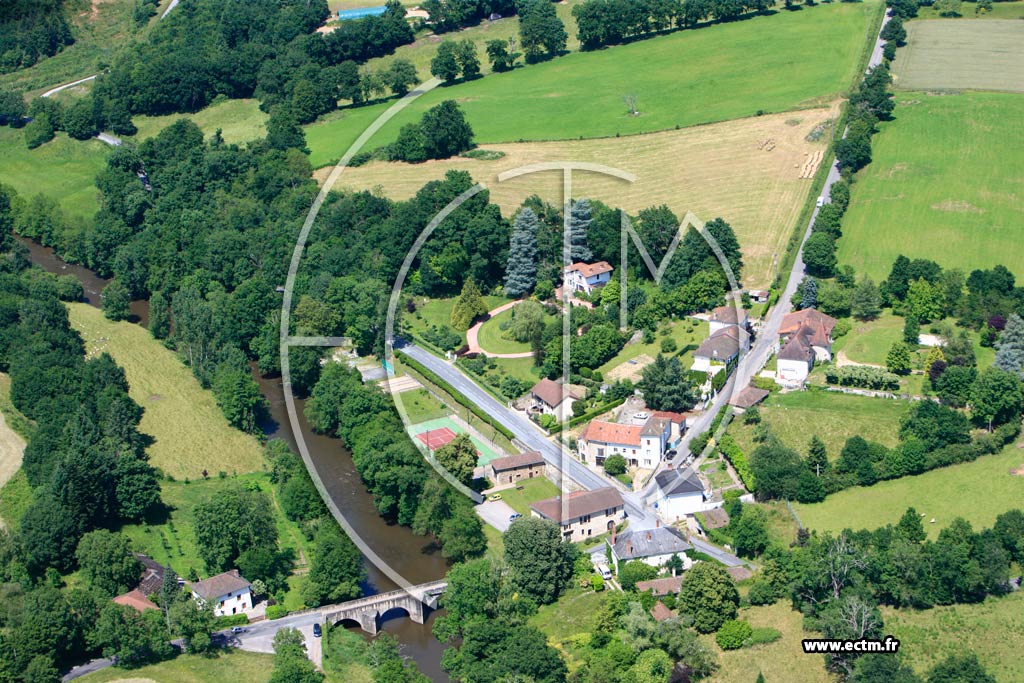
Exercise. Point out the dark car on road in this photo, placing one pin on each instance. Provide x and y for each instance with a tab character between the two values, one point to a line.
316	630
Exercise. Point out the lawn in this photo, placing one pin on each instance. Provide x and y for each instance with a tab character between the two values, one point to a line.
570	617
190	431
529	491
421	405
226	665
685	333
62	169
438	312
493	339
993	630
945	184
832	416
973	55
681	79
345	656
869	342
977	491
1000	10
722	169
717	473
15	497
238	120
12	444
783	660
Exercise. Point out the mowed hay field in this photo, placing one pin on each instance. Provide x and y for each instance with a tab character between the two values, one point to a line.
994	630
946	183
969	55
722	169
190	432
224	665
977	491
238	121
726	71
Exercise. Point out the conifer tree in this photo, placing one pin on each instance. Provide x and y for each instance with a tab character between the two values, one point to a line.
521	271
1010	346
468	306
579	223
810	295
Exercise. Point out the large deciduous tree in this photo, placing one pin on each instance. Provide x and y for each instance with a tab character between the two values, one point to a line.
539	559
709	596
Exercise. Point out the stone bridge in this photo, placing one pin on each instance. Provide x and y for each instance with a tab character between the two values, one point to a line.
368	611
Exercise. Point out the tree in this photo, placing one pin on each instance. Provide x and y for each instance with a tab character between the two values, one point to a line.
234	520
683	645
469	63
472	594
12	108
445	64
894	31
926	301
541	33
898	359
666	385
521	270
446	131
960	668
194	623
579	222
284	131
459	457
1010	345
882	668
651	666
131	637
400	76
540	561
336	569
39	131
809	488
910	527
107	562
501	54
469	306
709	596
749	532
817	457
776	470
733	634
820	254
116	301
461	534
948	8
997	397
615	464
809	296
633	571
291	665
866	300
79	121
159	316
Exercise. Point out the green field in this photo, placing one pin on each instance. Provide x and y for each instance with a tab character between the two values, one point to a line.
421	405
62	169
226	665
945	184
681	79
869	342
977	491
238	120
832	416
190	430
684	332
493	339
529	491
972	55
1000	10
993	630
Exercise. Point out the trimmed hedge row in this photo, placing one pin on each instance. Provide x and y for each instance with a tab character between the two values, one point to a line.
863	377
738	459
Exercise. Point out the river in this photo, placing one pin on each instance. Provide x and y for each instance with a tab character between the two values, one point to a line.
414	557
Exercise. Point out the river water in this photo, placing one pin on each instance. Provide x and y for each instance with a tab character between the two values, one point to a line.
412	556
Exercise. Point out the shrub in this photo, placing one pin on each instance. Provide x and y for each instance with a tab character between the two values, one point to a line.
863	377
615	465
763	635
276	611
842	327
668	345
596	583
733	634
738	459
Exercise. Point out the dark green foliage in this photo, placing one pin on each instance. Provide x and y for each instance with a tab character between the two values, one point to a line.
776	470
39	131
107	562
749	532
400	76
541	33
733	634
695	254
235	520
116	301
820	254
935	425
12	108
500	54
539	559
491	651
132	637
709	596
997	397
336	570
666	385
283	130
442	132
291	664
809	295
633	571
615	464
521	271
458	457
31	30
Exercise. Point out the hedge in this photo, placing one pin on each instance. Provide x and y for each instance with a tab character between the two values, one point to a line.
276	611
862	376
738	459
433	378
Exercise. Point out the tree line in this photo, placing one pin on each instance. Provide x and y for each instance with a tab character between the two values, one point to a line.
31	30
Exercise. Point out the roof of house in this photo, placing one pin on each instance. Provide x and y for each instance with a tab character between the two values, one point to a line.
578	504
727	314
678	418
797	348
716	518
723	344
612	432
551	392
655	426
809	318
137	599
662	540
591	269
670	584
739	573
748	396
660	612
152	577
679	482
515	462
221	584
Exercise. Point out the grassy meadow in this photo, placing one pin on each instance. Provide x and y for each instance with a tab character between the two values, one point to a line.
529	491
832	416
945	184
977	491
869	342
1000	10
971	55
238	120
62	169
225	665
190	432
993	630
681	79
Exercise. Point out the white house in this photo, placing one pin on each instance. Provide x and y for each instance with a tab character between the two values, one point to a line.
651	546
727	316
229	593
678	493
586	277
805	337
641	445
720	349
550	398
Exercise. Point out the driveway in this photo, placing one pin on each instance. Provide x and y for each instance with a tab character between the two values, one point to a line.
496	513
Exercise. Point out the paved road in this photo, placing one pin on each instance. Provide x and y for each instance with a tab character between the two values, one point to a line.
54	91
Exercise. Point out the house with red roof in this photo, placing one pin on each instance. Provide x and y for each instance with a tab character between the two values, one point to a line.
642	445
587	277
804	338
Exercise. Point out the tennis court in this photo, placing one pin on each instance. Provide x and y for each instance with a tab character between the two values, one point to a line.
436	433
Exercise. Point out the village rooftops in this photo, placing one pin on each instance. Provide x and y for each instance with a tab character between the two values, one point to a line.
661	540
516	462
152	577
578	504
137	599
677	418
797	348
551	392
715	518
655	426
590	269
722	345
728	315
678	482
612	432
660	587
810	323
221	584
749	396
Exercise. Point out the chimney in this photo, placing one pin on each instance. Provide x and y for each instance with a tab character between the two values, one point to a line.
648	535
657	522
629	548
613	534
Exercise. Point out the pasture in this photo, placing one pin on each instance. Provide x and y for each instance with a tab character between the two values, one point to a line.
238	120
832	416
869	342
724	169
993	630
945	184
716	73
189	429
967	55
62	169
977	491
224	665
